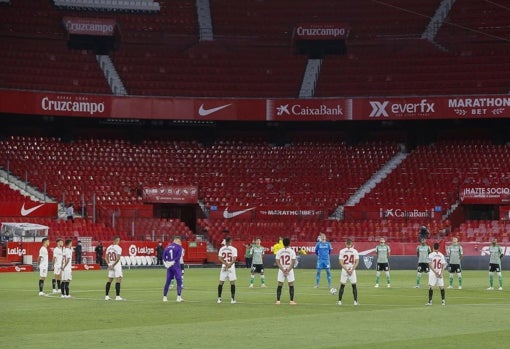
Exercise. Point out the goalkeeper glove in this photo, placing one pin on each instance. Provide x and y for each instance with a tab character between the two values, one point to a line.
168	264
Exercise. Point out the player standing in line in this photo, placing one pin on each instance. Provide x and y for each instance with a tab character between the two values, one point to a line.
349	260
496	254
285	261
58	253
228	256
422	252
113	254
455	254
181	262
437	264
257	264
171	260
383	253
67	268
42	264
323	250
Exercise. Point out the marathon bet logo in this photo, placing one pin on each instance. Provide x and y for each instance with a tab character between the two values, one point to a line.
400	109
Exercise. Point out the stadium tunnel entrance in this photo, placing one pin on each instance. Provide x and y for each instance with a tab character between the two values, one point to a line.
481	212
187	213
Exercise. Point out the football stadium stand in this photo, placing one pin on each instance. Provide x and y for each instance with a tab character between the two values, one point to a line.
158	49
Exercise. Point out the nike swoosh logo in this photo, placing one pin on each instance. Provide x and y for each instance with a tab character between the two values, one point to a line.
229	215
204	112
366	251
30	210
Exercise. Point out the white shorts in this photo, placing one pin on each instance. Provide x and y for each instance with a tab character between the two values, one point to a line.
67	275
289	277
116	272
230	274
344	277
57	270
434	280
43	271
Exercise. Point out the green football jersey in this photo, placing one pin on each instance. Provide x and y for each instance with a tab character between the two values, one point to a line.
257	253
455	252
495	253
382	252
423	253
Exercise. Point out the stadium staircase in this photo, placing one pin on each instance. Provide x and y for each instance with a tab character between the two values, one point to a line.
205	27
437	20
378	177
111	75
312	71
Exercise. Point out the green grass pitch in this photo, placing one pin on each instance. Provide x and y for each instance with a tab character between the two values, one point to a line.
386	318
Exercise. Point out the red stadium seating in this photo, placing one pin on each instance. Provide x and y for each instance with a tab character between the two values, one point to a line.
483	231
9	195
160	55
252	56
433	175
240	72
247	173
425	70
476	22
323	174
274	21
38	64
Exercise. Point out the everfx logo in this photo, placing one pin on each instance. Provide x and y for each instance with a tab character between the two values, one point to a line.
379	109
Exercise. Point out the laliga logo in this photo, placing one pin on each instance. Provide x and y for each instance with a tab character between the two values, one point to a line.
132	250
16	251
18	269
86	267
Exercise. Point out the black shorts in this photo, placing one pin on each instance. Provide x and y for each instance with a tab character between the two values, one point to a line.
423	268
494	267
257	268
455	268
383	266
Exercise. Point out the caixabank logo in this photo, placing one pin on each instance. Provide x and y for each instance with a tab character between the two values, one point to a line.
401	108
309	110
